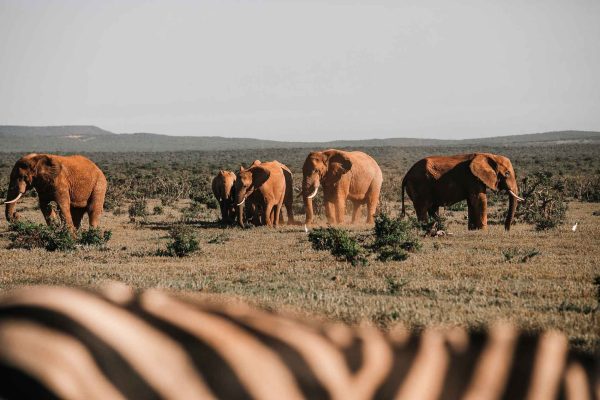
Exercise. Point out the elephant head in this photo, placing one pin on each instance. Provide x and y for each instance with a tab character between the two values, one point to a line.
497	173
31	170
321	167
248	180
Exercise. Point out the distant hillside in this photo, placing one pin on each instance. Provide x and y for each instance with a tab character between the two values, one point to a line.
36	131
94	139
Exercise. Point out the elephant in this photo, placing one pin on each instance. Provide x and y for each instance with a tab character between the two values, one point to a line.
444	180
223	189
264	185
288	200
75	183
344	175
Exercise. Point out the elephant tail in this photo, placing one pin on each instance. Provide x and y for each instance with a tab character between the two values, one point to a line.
403	187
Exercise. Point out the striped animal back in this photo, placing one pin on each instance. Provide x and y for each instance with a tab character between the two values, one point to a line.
70	343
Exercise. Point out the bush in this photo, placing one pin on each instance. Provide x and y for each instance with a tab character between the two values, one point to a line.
584	188
139	208
29	235
206	198
519	255
183	242
460	206
394	238
94	237
545	204
158	210
339	243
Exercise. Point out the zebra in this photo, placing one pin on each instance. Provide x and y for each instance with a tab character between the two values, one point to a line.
70	343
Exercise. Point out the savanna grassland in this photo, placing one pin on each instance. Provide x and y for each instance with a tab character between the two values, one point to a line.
535	278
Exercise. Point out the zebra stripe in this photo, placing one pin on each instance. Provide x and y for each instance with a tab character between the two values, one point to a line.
74	344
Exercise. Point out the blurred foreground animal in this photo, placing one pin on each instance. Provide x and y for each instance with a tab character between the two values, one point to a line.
76	344
75	183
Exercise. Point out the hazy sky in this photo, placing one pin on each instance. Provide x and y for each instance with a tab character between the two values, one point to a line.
305	70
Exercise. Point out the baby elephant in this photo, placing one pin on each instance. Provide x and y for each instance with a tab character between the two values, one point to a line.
223	189
75	183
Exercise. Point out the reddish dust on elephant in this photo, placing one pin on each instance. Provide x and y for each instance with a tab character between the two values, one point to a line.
288	200
343	175
75	183
264	186
223	189
439	181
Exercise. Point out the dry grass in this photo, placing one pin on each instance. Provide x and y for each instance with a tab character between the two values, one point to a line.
462	279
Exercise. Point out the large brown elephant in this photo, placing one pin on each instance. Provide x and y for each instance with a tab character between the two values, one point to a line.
75	183
288	200
223	189
264	185
444	180
343	175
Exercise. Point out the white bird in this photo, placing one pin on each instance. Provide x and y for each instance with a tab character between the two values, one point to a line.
305	228
574	228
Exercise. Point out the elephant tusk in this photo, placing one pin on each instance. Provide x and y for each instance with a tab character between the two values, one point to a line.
313	194
515	196
14	200
242	202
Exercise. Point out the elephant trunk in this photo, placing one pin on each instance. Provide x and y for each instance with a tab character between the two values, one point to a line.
14	194
512	207
240	215
309	191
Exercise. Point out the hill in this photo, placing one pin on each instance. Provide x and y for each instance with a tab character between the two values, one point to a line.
94	139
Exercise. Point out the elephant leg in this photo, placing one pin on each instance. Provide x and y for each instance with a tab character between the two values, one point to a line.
64	205
340	210
421	211
277	215
477	204
289	208
47	211
94	211
356	205
224	211
482	217
372	202
267	214
329	212
434	212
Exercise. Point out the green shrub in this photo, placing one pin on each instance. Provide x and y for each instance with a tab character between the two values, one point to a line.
94	237
519	255
207	198
29	235
339	243
139	208
545	204
394	238
460	206
183	242
158	210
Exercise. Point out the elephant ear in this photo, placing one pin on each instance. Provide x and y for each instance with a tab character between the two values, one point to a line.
259	176
47	168
339	163
484	168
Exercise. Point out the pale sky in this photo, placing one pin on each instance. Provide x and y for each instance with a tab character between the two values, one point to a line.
303	70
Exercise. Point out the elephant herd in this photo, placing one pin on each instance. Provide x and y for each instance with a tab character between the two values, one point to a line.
258	193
